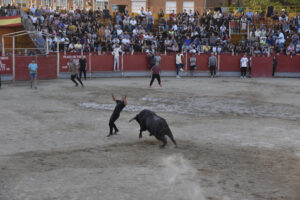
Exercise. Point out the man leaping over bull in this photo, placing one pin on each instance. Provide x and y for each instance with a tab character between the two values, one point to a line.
116	114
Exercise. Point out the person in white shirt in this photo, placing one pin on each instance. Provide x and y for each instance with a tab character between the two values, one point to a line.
281	39
142	12
244	65
115	53
119	31
125	41
179	64
132	23
33	9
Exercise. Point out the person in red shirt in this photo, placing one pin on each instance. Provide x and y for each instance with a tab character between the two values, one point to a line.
155	74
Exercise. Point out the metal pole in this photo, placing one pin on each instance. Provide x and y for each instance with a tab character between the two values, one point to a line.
47	46
13	60
3	49
219	65
122	66
90	65
186	61
57	50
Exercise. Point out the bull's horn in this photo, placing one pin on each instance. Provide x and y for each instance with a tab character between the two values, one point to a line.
132	119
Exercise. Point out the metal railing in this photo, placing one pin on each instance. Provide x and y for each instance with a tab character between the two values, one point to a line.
37	39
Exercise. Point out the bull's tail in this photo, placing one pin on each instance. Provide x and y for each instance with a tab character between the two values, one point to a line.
132	119
172	138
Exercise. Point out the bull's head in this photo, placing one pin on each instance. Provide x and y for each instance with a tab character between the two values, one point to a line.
132	119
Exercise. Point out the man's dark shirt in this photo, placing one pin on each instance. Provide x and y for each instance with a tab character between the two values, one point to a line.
119	107
82	63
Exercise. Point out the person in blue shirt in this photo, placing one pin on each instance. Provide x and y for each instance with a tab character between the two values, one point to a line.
249	15
33	73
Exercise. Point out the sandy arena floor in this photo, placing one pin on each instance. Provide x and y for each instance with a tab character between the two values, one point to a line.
238	140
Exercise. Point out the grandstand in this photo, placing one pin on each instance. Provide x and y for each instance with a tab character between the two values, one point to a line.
225	30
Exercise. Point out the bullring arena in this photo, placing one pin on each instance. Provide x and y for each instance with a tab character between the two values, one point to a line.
238	139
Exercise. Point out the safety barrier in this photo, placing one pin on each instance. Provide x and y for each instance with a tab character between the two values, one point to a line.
137	65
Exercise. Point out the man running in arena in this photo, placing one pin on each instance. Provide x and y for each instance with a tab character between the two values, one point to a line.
155	74
74	74
33	73
116	114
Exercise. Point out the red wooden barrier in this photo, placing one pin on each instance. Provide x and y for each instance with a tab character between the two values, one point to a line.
168	62
261	67
229	63
6	65
103	63
288	64
65	59
135	63
46	67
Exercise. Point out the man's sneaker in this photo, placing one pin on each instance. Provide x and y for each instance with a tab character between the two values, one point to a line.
109	135
149	86
177	76
160	85
241	76
76	85
181	69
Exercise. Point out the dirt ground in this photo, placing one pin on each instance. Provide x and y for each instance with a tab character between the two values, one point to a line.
237	140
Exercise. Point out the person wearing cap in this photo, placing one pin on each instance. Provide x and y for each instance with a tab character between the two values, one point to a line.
33	73
74	72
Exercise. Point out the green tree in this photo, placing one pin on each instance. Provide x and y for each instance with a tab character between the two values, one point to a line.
262	3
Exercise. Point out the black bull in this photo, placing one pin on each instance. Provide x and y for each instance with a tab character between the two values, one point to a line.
156	125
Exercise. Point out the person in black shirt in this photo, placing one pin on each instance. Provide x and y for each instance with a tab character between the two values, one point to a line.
82	68
275	62
116	114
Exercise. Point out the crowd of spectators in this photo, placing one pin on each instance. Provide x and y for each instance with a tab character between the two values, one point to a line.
9	10
188	31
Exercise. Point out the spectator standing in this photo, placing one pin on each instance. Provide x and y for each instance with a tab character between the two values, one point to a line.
151	59
244	65
82	68
33	73
179	64
193	61
155	74
74	74
115	53
250	66
212	63
157	58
